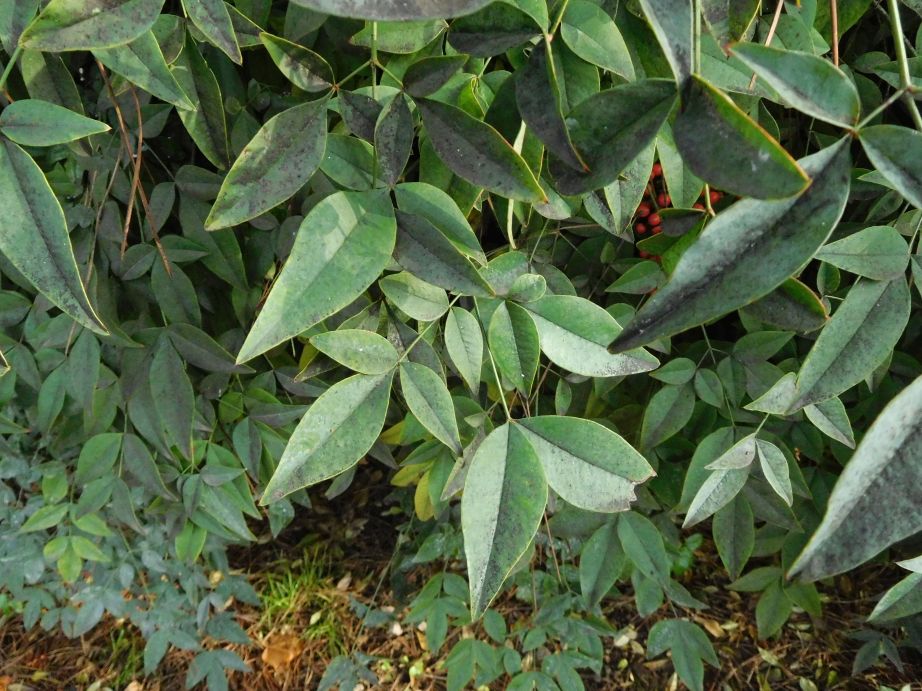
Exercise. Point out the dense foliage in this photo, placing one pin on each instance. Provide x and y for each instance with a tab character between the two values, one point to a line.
586	266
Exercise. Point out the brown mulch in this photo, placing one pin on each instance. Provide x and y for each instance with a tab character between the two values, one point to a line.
282	657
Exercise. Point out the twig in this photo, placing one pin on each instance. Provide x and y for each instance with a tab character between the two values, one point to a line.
771	34
896	26
834	13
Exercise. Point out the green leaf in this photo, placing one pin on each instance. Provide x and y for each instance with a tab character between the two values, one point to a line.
861	334
690	649
33	236
723	146
44	518
464	345
338	429
15	15
902	600
403	38
394	137
88	24
504	499
775	469
745	252
513	341
413	296
740	455
809	83
394	10
831	418
493	30
600	563
878	252
772	610
349	162
343	246
363	351
643	544
791	306
424	251
528	288
201	350
667	413
876	499
586	463
478	153
734	535
426	76
276	163
205	123
718	490
97	457
574	333
38	123
428	399
303	67
440	210
173	397
896	152
672	22
142	63
592	34
212	18
611	128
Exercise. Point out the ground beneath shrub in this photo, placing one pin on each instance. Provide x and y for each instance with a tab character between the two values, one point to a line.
339	555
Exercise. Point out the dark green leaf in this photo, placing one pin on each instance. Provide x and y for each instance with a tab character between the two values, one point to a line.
513	341
809	83
394	138
424	251
394	10
464	345
723	146
734	535
610	129
303	67
212	18
275	164
600	563
205	123
592	35
413	296
173	397
896	152
493	30
478	153
539	100
667	413
672	22
427	76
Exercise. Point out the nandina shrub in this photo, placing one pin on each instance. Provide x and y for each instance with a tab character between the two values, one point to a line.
598	264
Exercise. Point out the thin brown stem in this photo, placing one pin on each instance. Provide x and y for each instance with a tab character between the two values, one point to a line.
834	15
771	34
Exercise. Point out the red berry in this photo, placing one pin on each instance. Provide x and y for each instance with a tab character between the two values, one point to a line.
715	196
657	229
643	255
640	228
657	170
643	210
663	199
699	206
654	219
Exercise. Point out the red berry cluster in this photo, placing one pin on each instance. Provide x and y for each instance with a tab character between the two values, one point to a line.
648	219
